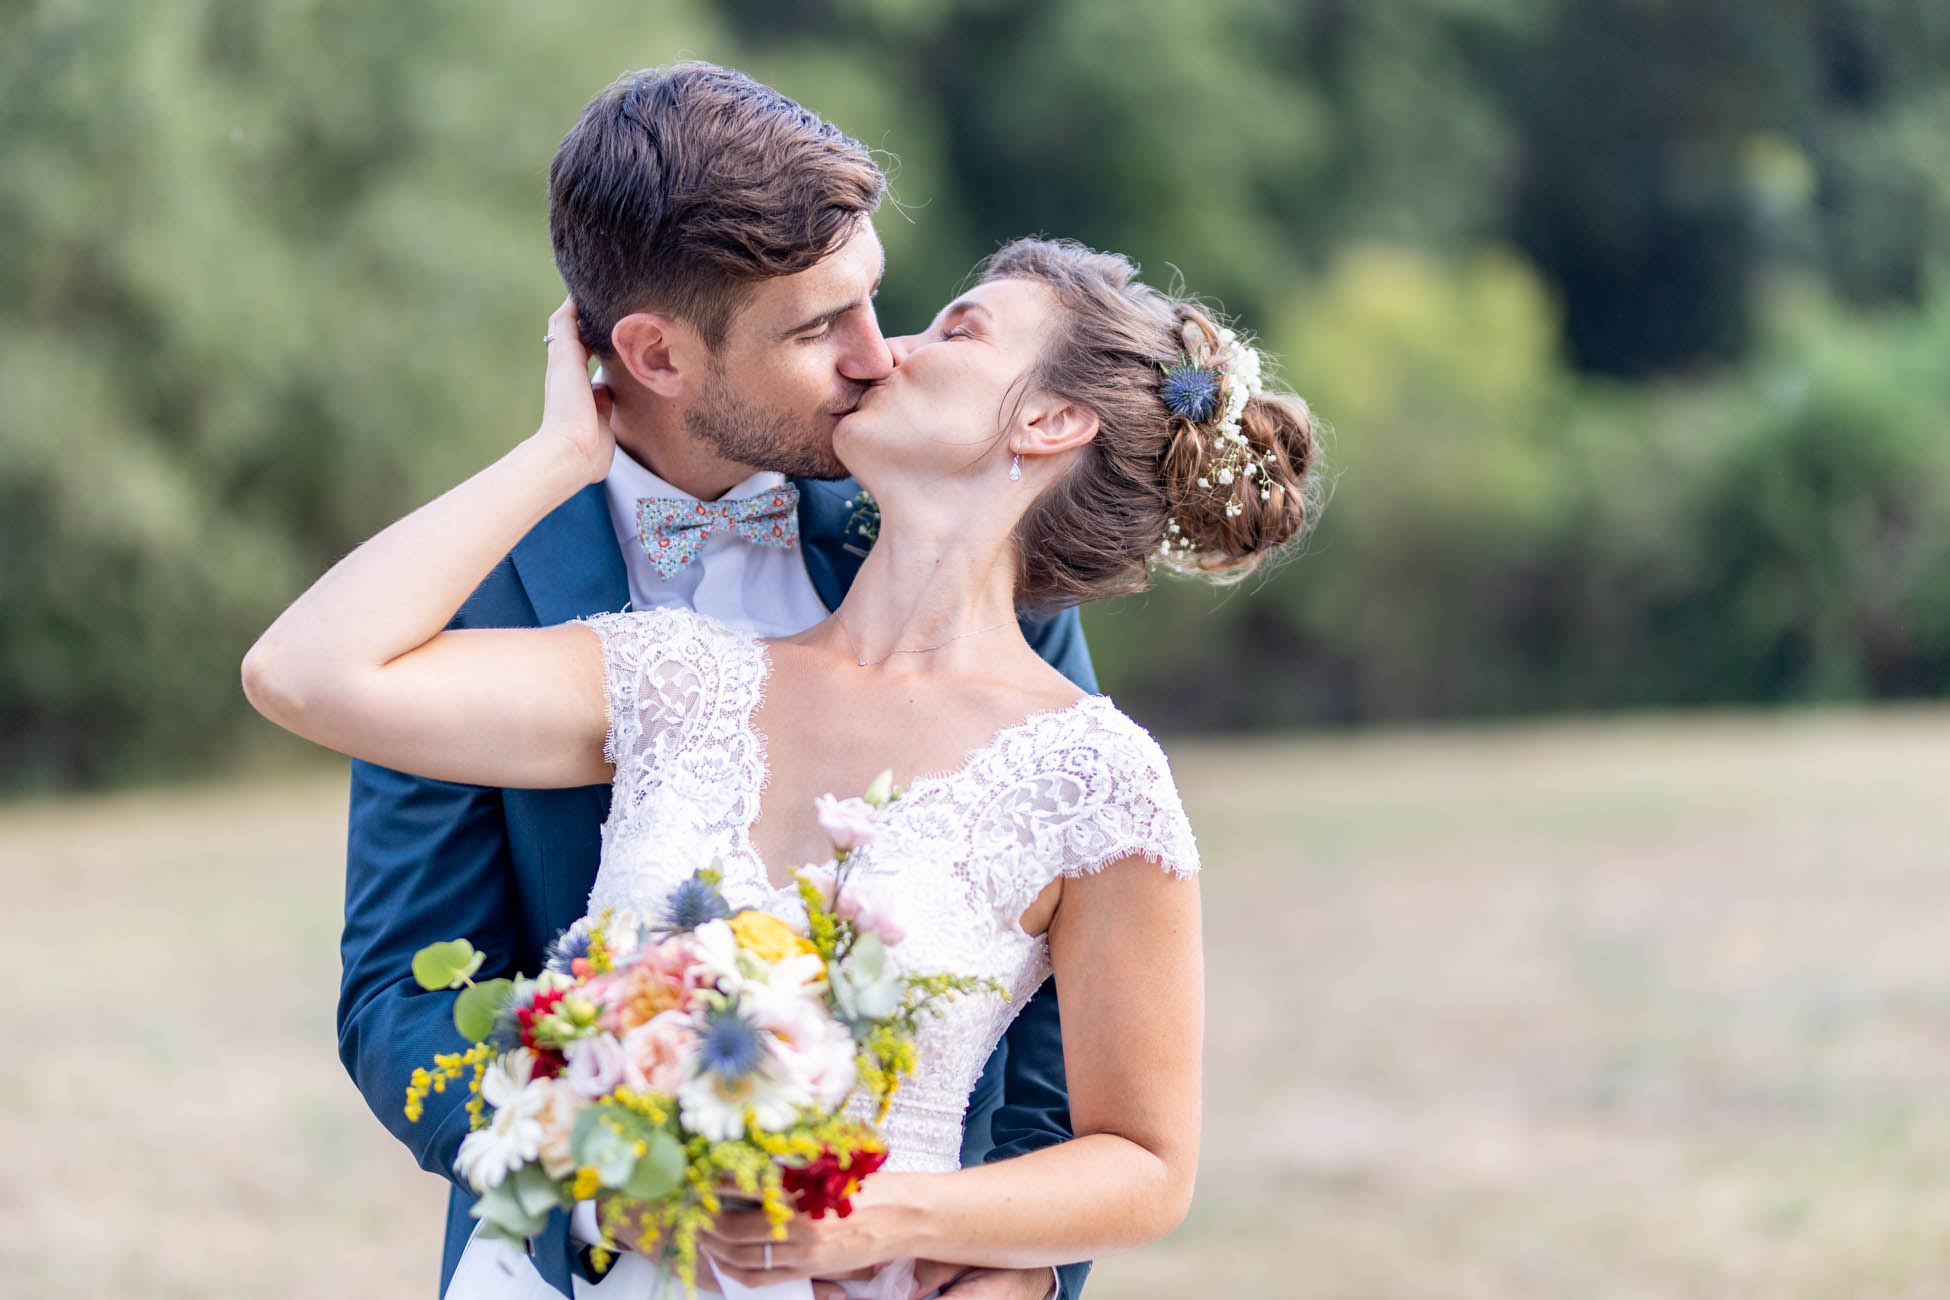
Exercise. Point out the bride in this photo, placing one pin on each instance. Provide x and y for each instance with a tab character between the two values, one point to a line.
1055	434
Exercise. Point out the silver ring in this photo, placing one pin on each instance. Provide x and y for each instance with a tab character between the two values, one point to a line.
768	1255
548	338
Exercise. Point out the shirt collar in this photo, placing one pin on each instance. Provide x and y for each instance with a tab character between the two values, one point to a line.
629	480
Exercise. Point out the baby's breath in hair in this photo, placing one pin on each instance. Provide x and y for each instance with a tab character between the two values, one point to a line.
1237	377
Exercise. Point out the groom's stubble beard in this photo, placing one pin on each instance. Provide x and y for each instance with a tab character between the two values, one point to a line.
749	432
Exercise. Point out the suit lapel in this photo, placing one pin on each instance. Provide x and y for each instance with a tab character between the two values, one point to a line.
836	531
569	565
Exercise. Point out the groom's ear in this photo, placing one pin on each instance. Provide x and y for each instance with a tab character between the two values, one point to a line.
660	352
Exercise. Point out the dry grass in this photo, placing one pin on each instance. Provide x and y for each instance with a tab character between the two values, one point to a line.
1651	1009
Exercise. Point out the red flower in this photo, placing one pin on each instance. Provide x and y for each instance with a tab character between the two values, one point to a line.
828	1183
549	1061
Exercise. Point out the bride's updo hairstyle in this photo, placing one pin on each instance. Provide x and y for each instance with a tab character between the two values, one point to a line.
1194	467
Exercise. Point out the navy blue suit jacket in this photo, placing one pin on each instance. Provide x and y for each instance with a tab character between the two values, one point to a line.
510	869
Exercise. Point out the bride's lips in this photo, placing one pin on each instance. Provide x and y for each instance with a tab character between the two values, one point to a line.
857	403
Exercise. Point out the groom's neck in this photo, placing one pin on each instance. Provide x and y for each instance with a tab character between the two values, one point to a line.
655	436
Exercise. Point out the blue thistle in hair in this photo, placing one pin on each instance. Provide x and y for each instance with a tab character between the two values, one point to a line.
1190	391
696	901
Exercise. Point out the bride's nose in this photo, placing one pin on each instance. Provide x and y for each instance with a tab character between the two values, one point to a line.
902	347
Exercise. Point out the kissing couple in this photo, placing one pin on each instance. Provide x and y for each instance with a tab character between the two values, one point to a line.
765	555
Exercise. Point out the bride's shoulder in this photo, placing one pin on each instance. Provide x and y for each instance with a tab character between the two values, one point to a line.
1111	784
666	626
1095	729
639	643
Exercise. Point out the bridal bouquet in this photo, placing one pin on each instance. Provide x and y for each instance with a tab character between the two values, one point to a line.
656	1063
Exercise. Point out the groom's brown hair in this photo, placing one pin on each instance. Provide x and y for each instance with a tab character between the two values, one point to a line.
682	187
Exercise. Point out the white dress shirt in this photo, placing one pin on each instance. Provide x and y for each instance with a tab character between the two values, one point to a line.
760	589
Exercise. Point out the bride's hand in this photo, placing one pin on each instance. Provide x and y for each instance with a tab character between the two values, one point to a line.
741	1242
575	412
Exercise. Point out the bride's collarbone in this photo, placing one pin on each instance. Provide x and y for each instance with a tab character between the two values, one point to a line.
820	738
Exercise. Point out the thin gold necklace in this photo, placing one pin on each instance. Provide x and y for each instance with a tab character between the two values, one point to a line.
916	650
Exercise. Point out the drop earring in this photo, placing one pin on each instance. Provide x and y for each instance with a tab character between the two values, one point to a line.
1015	469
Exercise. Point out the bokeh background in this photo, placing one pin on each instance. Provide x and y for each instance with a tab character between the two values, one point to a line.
1573	800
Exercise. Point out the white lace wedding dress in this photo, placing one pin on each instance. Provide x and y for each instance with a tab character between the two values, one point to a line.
959	857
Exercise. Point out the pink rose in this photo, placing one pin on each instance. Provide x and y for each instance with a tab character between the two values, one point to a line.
558	1120
657	1054
847	822
595	1066
657	979
867	908
810	1050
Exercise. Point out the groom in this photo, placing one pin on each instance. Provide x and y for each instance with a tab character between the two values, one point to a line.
717	240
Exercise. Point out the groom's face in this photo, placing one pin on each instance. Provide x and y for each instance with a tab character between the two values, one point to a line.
794	362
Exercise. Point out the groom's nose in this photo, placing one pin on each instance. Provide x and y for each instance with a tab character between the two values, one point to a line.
868	359
900	347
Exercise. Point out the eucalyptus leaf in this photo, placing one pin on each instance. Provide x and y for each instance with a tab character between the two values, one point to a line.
535	1191
501	1211
446	965
882	789
591	1135
659	1170
478	1005
617	1164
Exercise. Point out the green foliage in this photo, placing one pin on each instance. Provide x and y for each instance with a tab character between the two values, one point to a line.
273	272
518	1207
446	965
479	1005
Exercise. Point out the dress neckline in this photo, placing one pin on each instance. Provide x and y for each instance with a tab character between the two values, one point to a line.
761	746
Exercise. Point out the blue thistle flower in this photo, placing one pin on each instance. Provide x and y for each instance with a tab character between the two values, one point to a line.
1190	391
730	1046
694	902
573	943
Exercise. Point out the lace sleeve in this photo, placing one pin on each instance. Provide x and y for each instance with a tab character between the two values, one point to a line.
645	690
1134	811
680	689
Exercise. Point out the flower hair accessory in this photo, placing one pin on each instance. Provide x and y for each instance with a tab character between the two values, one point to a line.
1197	393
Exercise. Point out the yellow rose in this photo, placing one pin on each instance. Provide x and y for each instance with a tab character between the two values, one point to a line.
766	937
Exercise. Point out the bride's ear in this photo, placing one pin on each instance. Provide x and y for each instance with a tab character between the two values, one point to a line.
1052	424
663	354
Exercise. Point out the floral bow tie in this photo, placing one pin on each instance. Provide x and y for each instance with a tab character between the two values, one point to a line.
672	530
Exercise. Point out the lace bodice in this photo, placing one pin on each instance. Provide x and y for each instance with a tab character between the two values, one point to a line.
959	857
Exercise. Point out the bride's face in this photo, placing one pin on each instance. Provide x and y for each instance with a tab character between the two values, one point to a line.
947	406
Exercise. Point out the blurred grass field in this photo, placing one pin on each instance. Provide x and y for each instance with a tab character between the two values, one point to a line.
1652	1008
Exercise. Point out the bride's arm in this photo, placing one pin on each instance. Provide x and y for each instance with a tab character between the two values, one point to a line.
360	663
1126	948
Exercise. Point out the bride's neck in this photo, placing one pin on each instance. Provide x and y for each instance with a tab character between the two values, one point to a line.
929	584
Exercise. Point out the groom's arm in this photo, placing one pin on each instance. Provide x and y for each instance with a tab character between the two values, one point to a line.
426	861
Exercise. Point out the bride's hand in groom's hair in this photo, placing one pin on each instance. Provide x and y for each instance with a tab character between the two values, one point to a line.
575	409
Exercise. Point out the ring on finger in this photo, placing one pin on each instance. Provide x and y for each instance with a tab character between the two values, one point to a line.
768	1255
548	338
